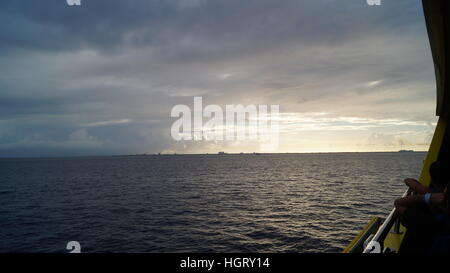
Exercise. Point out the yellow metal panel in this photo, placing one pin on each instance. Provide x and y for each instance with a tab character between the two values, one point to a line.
368	228
433	152
394	241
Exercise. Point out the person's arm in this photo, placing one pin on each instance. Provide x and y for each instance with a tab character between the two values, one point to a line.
415	185
402	204
431	200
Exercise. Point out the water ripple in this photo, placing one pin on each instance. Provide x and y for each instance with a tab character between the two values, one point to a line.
229	203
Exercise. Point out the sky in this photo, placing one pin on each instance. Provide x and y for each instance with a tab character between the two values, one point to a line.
103	77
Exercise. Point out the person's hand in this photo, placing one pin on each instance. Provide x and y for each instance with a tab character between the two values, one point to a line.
410	181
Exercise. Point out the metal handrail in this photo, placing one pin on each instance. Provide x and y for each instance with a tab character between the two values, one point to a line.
383	231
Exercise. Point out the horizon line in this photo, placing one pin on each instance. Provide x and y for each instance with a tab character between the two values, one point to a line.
216	153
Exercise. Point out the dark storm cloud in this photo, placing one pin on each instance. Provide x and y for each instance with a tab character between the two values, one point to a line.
63	68
221	25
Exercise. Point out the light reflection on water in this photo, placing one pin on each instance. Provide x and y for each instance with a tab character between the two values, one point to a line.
198	203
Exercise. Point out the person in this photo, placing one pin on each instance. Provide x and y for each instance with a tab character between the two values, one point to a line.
441	243
425	215
439	180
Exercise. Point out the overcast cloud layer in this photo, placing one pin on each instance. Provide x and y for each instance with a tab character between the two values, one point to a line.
102	78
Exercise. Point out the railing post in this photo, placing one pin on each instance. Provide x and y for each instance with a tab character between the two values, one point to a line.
396	229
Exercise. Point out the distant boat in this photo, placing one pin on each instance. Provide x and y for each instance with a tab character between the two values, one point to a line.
406	151
222	153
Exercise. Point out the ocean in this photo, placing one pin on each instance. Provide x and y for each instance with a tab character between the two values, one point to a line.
279	203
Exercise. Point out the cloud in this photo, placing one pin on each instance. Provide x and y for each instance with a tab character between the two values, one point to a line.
115	69
398	139
108	122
